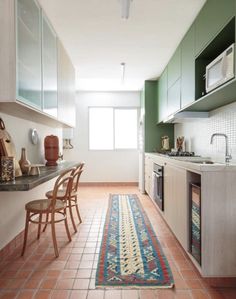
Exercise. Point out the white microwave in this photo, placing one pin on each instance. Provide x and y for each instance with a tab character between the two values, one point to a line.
220	70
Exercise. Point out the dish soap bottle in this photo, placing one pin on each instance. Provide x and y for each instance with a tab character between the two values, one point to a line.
23	162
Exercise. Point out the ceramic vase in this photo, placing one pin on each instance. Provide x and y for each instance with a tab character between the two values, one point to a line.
23	162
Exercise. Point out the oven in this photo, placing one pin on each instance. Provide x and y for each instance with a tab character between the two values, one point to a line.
158	185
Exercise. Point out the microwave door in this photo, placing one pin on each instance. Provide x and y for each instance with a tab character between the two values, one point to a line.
220	70
214	75
224	67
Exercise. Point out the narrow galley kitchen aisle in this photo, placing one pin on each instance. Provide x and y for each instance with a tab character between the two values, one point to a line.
40	275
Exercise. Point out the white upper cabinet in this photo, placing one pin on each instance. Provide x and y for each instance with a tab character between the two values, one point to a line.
35	83
66	87
49	55
28	44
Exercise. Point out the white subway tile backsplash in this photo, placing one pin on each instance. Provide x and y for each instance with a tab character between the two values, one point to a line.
197	133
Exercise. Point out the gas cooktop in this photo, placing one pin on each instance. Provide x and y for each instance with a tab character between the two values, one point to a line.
179	154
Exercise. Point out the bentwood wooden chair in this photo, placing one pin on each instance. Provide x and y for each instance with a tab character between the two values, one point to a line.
54	210
75	189
72	200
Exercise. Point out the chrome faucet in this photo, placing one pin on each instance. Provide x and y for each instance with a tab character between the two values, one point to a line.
227	154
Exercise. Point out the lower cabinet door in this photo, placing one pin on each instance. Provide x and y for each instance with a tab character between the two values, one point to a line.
175	201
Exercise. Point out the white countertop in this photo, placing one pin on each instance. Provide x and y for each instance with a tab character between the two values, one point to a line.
189	164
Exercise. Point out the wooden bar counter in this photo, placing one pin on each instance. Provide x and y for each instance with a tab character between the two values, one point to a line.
25	183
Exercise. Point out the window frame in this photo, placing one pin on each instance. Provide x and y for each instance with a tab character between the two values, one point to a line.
115	108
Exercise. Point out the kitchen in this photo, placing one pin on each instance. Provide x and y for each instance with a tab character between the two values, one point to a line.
175	87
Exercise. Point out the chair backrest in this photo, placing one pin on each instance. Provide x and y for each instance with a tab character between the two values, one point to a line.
81	166
76	176
65	180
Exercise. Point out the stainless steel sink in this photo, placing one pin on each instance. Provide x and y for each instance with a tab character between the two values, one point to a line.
198	160
202	162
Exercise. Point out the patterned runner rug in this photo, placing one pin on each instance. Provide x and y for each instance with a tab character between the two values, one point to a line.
130	254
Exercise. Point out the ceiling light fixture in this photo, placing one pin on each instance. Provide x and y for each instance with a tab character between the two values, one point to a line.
122	69
125	6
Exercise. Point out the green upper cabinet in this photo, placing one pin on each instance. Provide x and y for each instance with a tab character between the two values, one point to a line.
174	97
173	82
28	77
174	68
150	102
162	97
211	19
211	33
188	68
49	60
152	131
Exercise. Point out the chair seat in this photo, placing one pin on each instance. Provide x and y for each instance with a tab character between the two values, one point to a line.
69	195
74	193
60	194
42	205
51	208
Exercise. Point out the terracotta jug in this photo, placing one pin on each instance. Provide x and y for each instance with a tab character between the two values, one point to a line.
23	162
51	146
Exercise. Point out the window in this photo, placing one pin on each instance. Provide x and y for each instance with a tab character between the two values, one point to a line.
113	128
101	128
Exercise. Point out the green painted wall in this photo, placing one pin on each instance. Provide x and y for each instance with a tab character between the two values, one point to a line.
154	132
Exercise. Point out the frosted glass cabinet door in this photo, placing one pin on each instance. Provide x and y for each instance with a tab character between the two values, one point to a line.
29	83
49	48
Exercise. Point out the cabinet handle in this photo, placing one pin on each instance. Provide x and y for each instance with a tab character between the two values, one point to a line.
165	163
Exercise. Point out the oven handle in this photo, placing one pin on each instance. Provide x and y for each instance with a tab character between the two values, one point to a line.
157	175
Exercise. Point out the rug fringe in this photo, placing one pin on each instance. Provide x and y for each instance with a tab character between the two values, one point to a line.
134	287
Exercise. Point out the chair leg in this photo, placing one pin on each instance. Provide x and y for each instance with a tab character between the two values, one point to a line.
71	215
77	210
54	239
45	226
26	232
39	225
67	227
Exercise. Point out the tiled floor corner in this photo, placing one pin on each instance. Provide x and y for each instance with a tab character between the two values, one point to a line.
40	275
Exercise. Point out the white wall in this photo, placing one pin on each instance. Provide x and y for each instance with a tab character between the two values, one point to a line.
103	166
12	210
12	204
198	132
19	129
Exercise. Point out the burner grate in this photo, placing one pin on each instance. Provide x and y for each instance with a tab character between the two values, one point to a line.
181	154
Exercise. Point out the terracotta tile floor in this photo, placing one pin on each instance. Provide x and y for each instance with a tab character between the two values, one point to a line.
40	275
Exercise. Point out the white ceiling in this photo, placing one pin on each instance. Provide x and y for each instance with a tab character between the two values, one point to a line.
98	40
